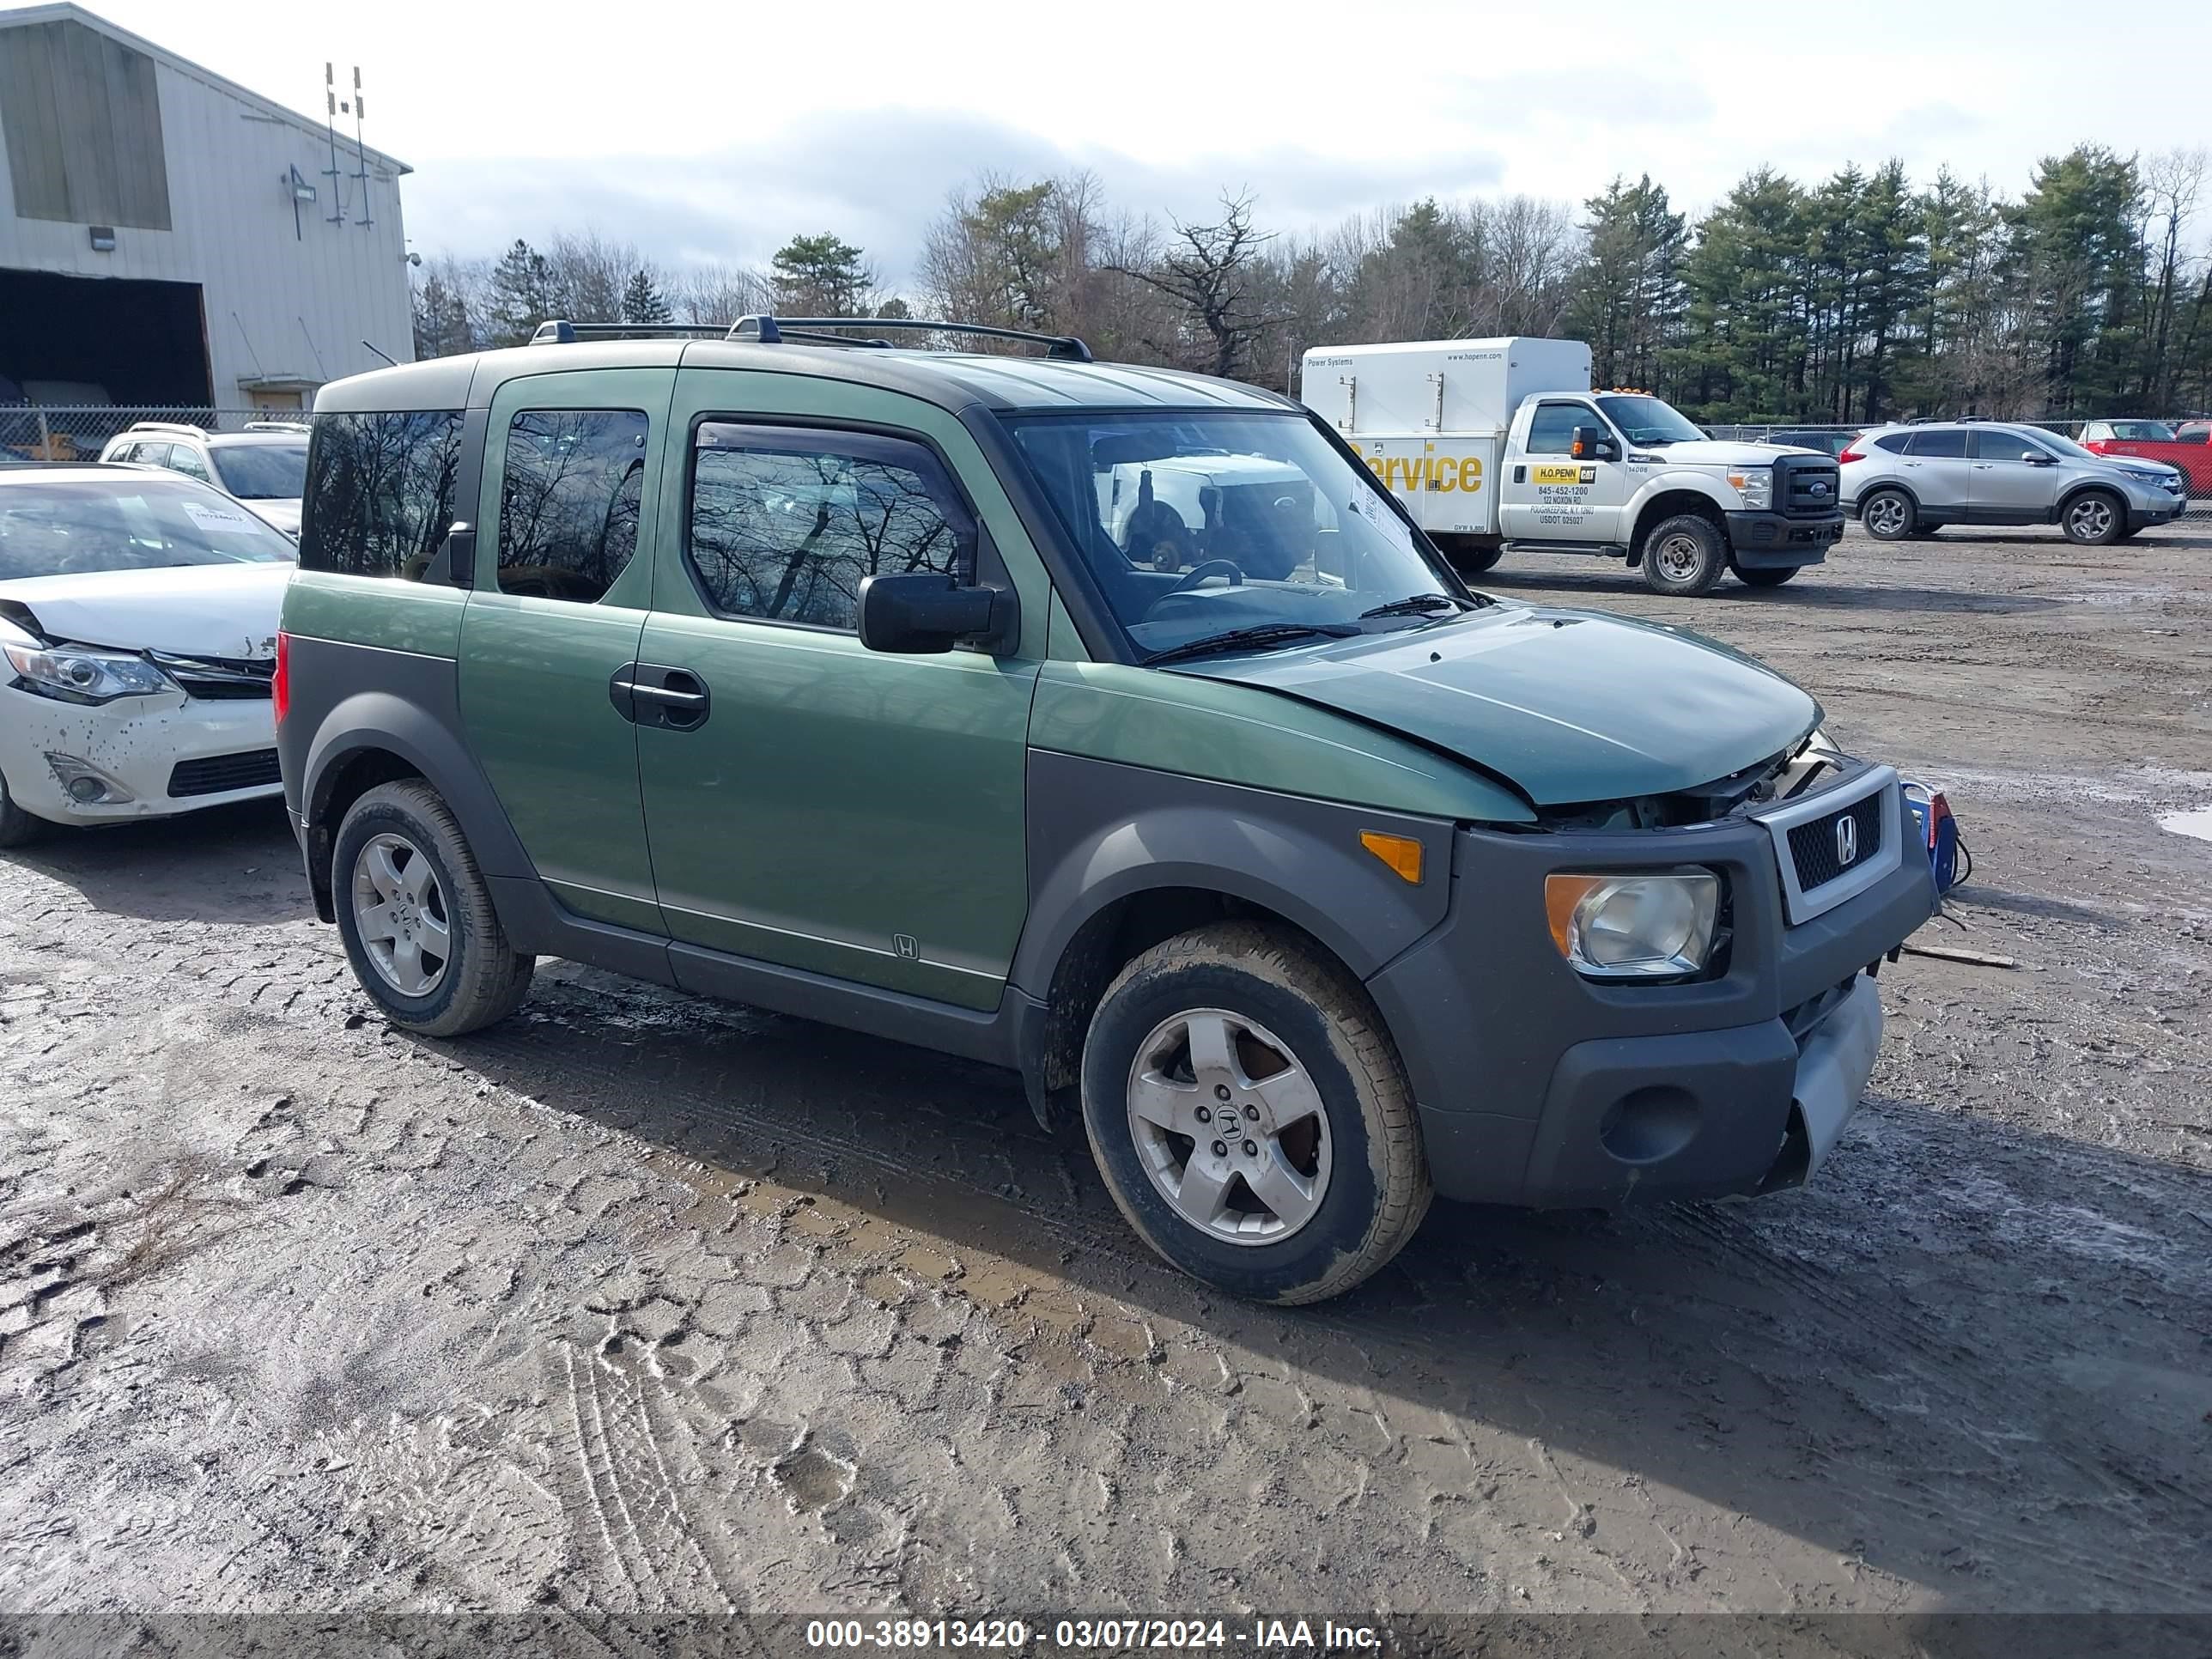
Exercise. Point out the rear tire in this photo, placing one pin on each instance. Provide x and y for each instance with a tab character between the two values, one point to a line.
1319	1177
1889	515
1684	555
417	915
1470	560
2094	518
1768	576
17	827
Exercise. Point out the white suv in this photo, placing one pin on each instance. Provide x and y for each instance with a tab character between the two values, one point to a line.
1903	481
266	466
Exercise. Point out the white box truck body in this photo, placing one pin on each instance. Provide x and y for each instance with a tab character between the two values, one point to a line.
1495	446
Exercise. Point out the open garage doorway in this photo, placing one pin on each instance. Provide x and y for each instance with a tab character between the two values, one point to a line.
96	339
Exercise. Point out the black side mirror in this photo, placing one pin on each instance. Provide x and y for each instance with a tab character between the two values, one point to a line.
920	613
2037	458
1592	444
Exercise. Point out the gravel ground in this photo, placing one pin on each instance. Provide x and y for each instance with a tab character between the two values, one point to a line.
641	1304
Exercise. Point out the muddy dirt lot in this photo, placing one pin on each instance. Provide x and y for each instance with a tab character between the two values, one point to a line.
640	1303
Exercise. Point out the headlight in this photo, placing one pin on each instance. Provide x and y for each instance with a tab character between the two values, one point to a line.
1650	926
1756	485
73	674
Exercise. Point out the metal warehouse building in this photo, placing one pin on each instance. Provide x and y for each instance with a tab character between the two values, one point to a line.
170	240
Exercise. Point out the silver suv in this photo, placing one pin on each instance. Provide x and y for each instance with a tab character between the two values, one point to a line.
264	466
1901	481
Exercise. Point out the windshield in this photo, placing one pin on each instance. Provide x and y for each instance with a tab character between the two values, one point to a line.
1197	523
263	472
1645	420
67	527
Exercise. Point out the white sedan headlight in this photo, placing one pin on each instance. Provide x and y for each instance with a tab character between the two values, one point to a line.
1619	925
77	674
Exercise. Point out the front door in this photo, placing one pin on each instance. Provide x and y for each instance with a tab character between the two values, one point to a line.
2008	487
811	803
571	473
1552	494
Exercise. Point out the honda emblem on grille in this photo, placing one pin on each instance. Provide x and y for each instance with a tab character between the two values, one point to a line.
1847	840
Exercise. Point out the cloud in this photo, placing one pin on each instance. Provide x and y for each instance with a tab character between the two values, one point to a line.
878	179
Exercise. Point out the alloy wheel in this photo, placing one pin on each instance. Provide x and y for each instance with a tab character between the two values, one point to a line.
400	912
1229	1127
1886	516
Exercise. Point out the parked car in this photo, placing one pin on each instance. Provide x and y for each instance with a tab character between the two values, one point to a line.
811	676
264	465
2188	447
1903	481
137	625
1829	441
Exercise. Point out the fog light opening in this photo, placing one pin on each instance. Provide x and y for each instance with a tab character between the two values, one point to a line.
85	783
1649	1124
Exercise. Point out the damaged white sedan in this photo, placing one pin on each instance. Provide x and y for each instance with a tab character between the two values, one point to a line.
137	647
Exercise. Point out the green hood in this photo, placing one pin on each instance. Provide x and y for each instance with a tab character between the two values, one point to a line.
1568	705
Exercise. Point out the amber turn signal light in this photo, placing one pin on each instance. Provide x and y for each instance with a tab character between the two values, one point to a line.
1401	853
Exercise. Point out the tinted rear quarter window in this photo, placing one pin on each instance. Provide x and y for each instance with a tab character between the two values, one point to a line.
1895	442
379	492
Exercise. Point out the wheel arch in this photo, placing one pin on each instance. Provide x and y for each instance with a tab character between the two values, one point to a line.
1858	501
1668	501
2089	487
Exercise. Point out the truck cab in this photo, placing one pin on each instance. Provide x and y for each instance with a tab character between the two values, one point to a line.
1498	446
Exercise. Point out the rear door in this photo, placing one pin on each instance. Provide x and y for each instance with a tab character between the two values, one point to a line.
2015	481
813	803
1550	494
570	475
1938	465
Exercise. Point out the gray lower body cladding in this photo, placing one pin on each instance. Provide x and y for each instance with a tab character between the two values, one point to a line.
1538	1087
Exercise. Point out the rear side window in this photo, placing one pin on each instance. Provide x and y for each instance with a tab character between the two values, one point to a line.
568	501
785	523
1950	444
379	492
1893	442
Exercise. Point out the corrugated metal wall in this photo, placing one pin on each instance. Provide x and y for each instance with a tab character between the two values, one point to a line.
279	302
82	117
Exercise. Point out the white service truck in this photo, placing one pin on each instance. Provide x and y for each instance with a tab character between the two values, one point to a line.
1501	445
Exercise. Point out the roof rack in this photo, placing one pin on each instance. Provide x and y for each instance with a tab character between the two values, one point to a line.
559	330
181	427
275	426
774	330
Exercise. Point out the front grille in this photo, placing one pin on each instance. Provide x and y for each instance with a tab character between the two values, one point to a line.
1812	846
1810	486
218	774
230	679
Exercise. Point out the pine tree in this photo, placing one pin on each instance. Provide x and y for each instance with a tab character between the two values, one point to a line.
642	303
822	276
521	293
1627	298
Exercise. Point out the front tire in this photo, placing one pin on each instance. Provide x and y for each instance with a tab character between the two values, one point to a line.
1251	1117
1768	575
17	827
1684	555
1889	515
417	915
2094	518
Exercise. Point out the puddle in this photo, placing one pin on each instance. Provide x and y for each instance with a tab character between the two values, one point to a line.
812	1479
2198	824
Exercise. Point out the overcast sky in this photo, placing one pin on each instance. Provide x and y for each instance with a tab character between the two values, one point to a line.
706	131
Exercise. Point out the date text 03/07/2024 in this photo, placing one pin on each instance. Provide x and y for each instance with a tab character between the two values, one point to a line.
1094	1635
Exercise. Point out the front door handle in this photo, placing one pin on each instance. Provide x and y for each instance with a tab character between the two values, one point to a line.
653	694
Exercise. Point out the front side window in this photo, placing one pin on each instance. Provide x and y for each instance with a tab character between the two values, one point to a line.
785	523
1552	428
1194	526
379	492
184	459
2000	446
69	527
263	472
568	501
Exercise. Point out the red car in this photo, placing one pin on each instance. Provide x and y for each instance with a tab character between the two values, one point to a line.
2189	448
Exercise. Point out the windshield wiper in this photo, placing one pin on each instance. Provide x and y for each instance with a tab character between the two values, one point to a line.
1238	639
1414	605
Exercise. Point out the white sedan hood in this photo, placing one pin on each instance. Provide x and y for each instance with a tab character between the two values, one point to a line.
285	515
193	610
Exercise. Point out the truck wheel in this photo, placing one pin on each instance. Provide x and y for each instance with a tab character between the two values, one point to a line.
417	919
1251	1116
1470	559
1888	515
1683	555
17	827
1768	576
2092	519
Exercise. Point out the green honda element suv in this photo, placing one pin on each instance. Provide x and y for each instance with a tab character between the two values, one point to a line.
1109	724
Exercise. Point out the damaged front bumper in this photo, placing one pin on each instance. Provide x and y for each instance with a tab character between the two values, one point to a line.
136	757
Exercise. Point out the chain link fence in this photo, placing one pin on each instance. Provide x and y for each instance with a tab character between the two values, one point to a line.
1816	434
35	433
